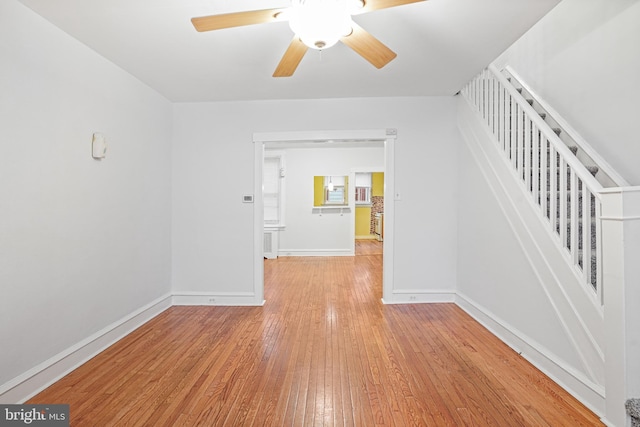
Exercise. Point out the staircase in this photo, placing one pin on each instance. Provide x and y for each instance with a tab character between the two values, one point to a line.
562	175
577	222
591	161
633	409
597	166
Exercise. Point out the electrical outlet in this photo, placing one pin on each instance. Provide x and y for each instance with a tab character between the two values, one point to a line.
412	298
212	300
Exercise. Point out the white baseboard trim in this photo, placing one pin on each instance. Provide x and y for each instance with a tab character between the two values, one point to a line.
412	296
216	299
30	383
367	237
316	252
40	377
577	384
33	381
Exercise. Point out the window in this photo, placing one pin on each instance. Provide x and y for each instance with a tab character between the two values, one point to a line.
335	190
363	188
335	196
273	191
363	195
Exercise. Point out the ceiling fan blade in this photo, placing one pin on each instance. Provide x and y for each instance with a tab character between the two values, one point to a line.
238	19
369	47
291	58
370	5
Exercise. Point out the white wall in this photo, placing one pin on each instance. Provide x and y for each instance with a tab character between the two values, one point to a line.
515	280
213	167
83	243
314	233
582	59
495	273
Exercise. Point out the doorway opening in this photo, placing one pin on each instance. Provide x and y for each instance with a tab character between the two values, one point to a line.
369	211
340	139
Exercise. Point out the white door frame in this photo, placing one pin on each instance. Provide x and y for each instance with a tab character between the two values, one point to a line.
386	135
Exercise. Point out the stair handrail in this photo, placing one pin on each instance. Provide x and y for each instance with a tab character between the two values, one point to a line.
503	109
567	128
580	169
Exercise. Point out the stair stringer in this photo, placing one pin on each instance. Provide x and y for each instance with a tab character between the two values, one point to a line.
579	313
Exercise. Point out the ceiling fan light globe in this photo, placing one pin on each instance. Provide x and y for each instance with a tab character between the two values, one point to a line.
320	24
355	6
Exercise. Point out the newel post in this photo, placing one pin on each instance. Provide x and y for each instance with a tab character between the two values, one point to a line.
621	296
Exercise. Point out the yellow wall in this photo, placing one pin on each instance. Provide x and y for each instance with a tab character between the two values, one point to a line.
363	221
363	214
318	190
377	184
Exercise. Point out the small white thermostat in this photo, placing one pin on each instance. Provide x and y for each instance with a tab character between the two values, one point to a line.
247	198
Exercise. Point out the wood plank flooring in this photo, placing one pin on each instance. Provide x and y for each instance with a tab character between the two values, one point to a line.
323	351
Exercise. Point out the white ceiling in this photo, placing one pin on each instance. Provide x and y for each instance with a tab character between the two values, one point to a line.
440	44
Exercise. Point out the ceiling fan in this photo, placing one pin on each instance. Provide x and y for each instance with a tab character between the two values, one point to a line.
317	24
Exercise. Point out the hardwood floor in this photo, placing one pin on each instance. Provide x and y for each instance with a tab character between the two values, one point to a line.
323	351
368	247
